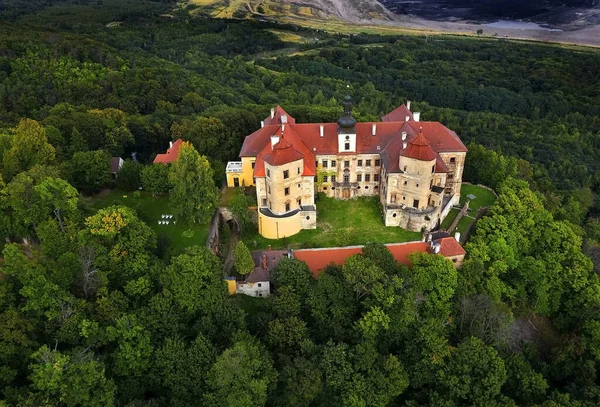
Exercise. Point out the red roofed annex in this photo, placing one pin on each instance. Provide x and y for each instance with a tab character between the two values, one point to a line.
171	155
414	167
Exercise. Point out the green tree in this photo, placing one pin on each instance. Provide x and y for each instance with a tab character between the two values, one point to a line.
195	279
244	263
239	207
474	374
242	376
293	274
89	171
129	176
193	196
29	147
59	198
155	179
206	134
74	379
78	142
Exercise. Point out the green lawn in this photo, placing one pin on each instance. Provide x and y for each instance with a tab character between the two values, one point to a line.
449	219
150	209
483	196
340	223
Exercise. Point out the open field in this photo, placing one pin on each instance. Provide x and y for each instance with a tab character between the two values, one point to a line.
340	223
483	196
150	209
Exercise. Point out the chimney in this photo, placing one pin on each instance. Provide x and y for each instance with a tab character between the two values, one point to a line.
284	118
407	118
404	145
170	144
262	124
417	116
264	262
273	113
436	248
403	135
274	140
457	236
374	129
408	104
322	129
282	127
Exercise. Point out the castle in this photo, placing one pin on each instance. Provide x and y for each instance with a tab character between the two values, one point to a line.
414	167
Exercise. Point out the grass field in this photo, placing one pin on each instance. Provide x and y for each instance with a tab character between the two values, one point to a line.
150	209
483	196
340	223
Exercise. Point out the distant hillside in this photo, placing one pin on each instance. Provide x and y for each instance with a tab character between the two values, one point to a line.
348	10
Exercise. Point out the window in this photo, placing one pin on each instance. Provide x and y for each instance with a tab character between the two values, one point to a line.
393	198
359	163
299	202
453	160
286	174
333	178
377	163
367	177
450	177
298	170
358	177
405	167
346	164
259	285
405	182
325	177
298	186
264	202
268	173
287	190
368	163
376	177
253	164
324	163
287	206
415	203
433	168
347	146
269	189
333	163
346	178
417	185
324	188
430	183
404	198
317	164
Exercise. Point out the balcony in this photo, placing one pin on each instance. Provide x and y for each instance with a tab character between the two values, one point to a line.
234	167
346	184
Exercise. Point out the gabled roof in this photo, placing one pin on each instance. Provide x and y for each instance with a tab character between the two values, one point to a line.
419	149
278	114
449	247
171	155
283	153
387	141
399	114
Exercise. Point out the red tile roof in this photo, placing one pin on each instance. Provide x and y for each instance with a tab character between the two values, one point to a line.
318	259
449	247
398	114
171	155
277	117
419	149
387	141
283	153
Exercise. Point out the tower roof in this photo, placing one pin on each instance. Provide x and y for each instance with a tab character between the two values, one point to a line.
419	148
283	153
347	123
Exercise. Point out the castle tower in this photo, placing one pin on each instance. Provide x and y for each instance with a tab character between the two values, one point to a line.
417	163
347	128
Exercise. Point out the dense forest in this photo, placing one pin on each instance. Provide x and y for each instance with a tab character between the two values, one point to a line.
95	310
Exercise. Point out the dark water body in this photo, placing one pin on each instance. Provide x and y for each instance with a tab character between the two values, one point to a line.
487	11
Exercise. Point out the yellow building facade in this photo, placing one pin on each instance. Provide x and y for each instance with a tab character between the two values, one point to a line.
414	167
